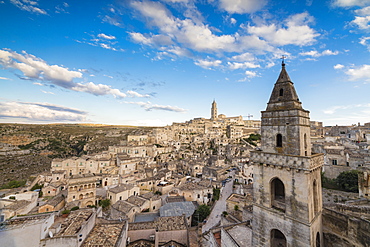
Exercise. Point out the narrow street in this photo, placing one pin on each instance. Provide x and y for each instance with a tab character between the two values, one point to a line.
220	206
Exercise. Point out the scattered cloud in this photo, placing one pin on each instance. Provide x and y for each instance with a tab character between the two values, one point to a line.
105	36
365	42
362	22
208	64
36	69
102	40
113	20
62	8
359	73
242	6
4	78
350	3
315	53
47	92
148	106
40	112
338	66
334	109
28	5
296	31
250	74
245	65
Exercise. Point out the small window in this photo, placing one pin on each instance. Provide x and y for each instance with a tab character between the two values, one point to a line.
279	140
281	92
334	162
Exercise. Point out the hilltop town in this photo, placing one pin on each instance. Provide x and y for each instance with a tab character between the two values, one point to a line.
205	182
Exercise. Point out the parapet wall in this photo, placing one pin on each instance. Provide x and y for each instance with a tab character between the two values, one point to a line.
288	161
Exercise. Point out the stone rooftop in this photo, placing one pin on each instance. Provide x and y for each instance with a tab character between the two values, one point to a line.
151	195
171	223
177	209
55	200
104	235
194	186
141	243
17	205
242	234
123	206
74	221
136	200
171	199
23	221
121	187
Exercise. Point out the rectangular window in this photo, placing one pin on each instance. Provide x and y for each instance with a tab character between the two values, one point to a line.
334	162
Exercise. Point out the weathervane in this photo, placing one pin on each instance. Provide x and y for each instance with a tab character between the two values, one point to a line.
282	62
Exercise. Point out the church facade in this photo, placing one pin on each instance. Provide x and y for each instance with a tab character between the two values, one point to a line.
287	208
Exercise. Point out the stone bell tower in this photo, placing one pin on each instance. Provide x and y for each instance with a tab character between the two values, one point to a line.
214	110
287	204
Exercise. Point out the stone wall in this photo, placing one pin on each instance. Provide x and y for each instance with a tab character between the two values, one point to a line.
342	230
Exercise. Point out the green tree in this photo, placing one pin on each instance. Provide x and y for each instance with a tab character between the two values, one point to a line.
216	194
348	181
201	214
104	203
236	207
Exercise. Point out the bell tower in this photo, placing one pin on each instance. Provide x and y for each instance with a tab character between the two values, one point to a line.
287	204
214	110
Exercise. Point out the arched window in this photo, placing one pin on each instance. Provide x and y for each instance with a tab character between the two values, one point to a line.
315	197
277	238
318	240
281	92
277	194
279	140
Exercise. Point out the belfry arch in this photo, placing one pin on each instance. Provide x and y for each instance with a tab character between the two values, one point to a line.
277	189
277	239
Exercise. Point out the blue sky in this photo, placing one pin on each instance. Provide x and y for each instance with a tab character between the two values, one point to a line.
157	62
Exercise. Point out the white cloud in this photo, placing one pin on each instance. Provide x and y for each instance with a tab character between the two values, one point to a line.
40	112
315	53
105	36
242	6
338	66
207	64
365	42
359	73
296	32
35	68
47	92
350	3
148	106
4	78
29	6
334	109
243	57
232	21
362	22
136	94
363	12
245	65
250	74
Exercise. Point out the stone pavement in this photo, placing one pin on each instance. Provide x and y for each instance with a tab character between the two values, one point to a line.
215	217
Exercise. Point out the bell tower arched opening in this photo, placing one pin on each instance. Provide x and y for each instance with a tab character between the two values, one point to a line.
278	194
277	239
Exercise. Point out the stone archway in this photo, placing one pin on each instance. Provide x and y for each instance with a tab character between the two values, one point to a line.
277	239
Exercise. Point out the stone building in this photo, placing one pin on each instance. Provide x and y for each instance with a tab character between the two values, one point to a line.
287	208
82	188
122	192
